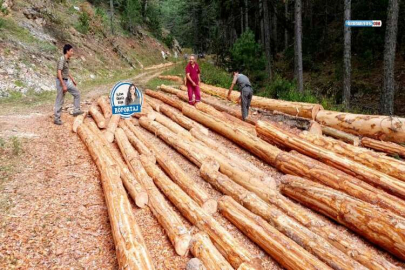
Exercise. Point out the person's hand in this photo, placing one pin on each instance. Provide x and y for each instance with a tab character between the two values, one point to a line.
194	84
64	87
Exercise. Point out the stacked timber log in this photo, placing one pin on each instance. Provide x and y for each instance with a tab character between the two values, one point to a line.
130	245
386	147
111	127
97	116
376	225
341	135
170	221
105	107
78	121
171	78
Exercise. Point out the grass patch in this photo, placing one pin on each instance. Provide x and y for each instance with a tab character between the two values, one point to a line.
16	146
19	83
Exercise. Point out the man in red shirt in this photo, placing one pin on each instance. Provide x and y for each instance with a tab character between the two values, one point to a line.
193	81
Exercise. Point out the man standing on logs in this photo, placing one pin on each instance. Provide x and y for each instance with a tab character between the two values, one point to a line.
246	92
193	81
65	83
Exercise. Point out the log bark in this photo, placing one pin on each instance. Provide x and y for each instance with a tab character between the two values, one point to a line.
286	225
170	90
97	116
341	135
167	218
111	127
135	190
340	240
281	248
386	147
274	134
234	252
174	102
129	243
204	249
178	175
371	159
378	127
171	78
378	226
78	121
105	107
300	165
293	121
154	103
246	266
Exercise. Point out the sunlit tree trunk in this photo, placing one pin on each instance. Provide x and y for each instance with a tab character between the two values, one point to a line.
112	16
298	46
286	15
347	56
267	46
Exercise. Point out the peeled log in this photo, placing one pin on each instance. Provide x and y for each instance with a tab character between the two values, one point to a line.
371	159
78	121
97	116
387	147
204	249
178	175
234	252
378	226
111	127
129	243
105	106
135	189
286	225
167	218
281	248
380	127
171	78
341	135
276	135
168	89
174	102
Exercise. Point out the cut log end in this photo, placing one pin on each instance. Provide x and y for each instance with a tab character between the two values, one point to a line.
182	244
142	200
109	136
315	110
210	206
78	121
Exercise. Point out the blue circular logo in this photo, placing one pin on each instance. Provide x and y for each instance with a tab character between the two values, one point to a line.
126	99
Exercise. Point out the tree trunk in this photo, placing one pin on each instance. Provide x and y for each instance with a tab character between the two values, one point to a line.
341	135
286	225
178	175
112	16
111	127
137	192
273	134
174	102
246	15
371	159
378	226
298	46
97	116
267	42
241	20
300	165
204	249
170	90
285	28
79	120
387	147
167	218
274	28
129	243
378	127
388	91
105	107
284	250
347	56
234	252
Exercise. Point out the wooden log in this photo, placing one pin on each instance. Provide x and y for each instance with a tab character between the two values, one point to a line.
178	175
306	110
168	89
286	225
174	102
340	135
378	226
195	264
251	143
154	103
204	249
246	266
167	218
129	243
78	121
293	121
380	127
105	107
281	248
386	147
137	192
371	159
273	134
97	116
315	129
111	127
171	78
173	126
234	252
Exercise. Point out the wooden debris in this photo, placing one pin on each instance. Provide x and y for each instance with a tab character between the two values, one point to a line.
78	121
341	135
378	226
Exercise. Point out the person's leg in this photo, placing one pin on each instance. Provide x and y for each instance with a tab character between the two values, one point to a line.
244	100
249	99
76	95
190	91
60	97
197	94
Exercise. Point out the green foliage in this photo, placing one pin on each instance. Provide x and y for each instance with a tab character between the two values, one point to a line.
153	20
1	23
247	54
3	10
168	40
17	146
83	24
2	143
131	15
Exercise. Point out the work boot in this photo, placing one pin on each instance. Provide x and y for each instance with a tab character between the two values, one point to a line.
77	113
57	122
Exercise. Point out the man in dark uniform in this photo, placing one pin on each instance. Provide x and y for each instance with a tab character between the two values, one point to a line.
65	83
246	92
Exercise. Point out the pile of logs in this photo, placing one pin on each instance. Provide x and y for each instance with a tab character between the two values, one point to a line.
359	188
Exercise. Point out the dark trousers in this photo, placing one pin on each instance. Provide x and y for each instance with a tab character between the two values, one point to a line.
246	97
